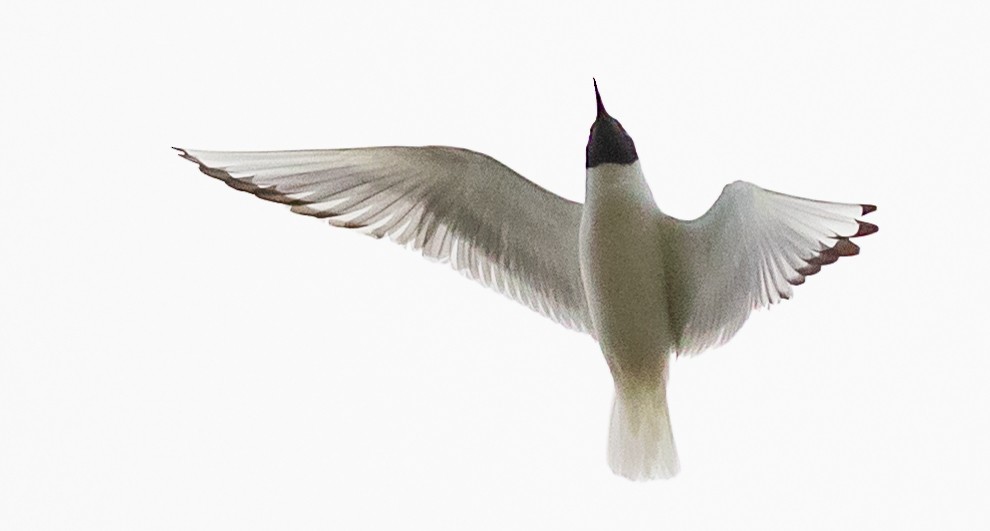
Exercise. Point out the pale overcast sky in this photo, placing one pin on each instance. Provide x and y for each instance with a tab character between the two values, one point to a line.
178	355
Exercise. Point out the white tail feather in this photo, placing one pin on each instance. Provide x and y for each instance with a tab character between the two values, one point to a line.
641	443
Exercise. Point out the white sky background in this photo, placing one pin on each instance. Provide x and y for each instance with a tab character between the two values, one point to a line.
178	355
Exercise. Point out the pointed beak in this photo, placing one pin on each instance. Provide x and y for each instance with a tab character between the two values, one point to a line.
598	97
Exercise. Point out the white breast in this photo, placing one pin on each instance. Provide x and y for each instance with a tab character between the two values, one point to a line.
620	247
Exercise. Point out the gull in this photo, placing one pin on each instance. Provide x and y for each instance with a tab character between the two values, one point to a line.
645	285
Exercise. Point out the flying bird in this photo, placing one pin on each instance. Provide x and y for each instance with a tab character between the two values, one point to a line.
645	285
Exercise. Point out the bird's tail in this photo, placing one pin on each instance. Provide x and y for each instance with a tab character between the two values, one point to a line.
641	443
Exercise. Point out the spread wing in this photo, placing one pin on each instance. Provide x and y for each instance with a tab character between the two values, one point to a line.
747	252
453	205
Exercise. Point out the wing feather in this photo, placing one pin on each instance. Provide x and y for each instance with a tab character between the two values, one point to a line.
453	205
746	253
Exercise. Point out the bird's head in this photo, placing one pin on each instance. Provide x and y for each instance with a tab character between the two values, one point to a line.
608	141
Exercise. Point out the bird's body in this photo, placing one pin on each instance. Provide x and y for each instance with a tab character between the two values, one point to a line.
622	269
643	284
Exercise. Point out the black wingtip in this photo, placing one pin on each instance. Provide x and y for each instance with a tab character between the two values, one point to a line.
185	154
865	229
867	209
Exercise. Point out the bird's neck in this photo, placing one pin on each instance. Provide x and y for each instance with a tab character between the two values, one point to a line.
617	182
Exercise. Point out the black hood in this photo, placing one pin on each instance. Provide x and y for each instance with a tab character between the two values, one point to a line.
608	141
